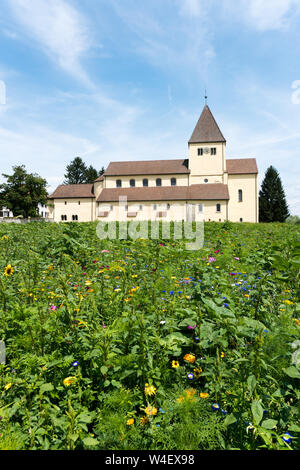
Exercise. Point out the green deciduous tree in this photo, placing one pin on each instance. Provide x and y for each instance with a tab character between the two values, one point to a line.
272	202
23	192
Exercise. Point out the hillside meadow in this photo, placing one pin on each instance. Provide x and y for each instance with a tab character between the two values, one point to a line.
143	344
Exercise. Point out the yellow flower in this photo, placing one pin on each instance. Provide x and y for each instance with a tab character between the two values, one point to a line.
8	271
204	395
5	237
223	355
175	364
150	390
130	422
7	386
69	381
198	372
190	358
151	410
297	321
144	420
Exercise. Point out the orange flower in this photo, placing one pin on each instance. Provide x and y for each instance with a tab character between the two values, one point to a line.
151	410
204	395
190	358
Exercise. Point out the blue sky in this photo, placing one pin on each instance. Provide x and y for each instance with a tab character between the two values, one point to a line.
113	80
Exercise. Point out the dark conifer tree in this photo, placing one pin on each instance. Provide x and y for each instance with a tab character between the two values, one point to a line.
272	202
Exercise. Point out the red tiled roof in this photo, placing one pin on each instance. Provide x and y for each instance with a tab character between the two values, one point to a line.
65	191
101	178
167	193
150	167
241	166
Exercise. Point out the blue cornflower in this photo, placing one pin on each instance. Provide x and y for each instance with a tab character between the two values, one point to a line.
226	305
215	407
190	376
75	364
287	438
197	339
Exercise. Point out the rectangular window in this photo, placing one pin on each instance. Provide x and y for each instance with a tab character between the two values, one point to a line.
155	207
218	207
119	184
200	208
200	152
74	217
140	207
213	151
240	195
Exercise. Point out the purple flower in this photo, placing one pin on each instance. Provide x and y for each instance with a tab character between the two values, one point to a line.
211	259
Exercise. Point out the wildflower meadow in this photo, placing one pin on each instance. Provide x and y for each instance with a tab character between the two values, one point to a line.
145	345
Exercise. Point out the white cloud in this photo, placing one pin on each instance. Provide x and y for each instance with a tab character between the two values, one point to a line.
262	15
58	28
42	151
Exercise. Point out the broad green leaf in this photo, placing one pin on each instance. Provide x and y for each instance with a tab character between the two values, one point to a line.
104	370
46	388
257	411
251	382
90	441
292	372
294	428
230	419
269	424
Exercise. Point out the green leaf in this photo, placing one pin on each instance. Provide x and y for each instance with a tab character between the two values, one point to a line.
230	419
294	428
46	388
292	372
90	441
251	382
104	370
257	411
269	424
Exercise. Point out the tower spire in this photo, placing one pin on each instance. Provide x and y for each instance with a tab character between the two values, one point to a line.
205	96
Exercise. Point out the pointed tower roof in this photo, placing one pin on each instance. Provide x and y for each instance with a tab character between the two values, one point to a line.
206	130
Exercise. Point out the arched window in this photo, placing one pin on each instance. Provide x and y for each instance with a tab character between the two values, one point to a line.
132	183
158	182
145	183
119	183
240	195
218	207
173	182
